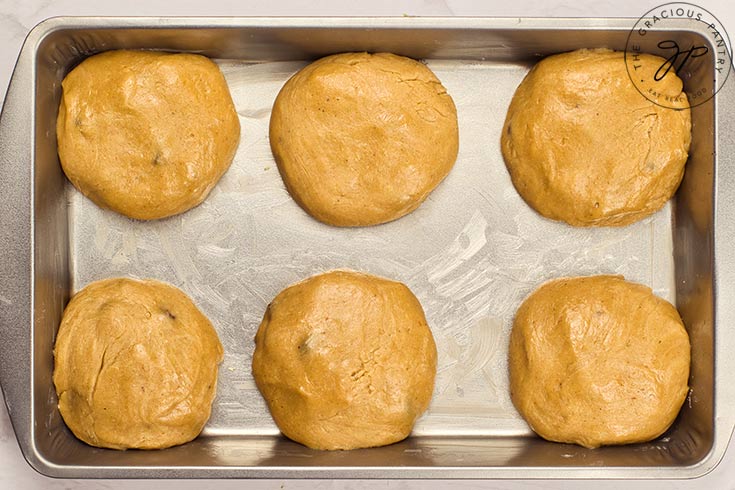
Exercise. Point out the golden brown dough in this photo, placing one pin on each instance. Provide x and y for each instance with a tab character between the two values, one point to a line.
146	134
345	360
362	139
598	361
135	365
582	145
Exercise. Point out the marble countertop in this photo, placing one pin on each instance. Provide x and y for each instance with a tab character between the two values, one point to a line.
17	17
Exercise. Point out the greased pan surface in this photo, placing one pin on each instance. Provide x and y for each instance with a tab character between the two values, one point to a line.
470	253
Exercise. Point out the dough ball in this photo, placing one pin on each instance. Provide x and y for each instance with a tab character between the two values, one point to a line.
345	360
136	365
598	361
582	145
362	139
146	134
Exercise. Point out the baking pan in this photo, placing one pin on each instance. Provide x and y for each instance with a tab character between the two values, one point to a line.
471	253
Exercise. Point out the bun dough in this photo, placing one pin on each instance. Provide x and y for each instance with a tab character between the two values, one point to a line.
597	361
136	365
146	134
582	145
345	360
362	139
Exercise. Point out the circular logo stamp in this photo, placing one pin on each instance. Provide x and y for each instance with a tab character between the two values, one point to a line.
703	64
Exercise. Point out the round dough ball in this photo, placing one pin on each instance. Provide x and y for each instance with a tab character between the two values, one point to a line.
146	134
361	139
598	361
345	360
582	145
136	365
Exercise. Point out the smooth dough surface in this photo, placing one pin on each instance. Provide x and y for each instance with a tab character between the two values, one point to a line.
135	365
582	145
362	139
146	134
598	361
345	360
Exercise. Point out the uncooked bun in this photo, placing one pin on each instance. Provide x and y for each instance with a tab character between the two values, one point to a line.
582	145
345	360
146	134
597	361
362	139
135	365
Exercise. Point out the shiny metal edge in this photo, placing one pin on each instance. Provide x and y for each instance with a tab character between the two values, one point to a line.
16	284
16	241
724	269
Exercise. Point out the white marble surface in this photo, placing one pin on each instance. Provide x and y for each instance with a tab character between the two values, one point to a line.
17	17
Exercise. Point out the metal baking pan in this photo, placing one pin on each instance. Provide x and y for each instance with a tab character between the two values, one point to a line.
471	253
